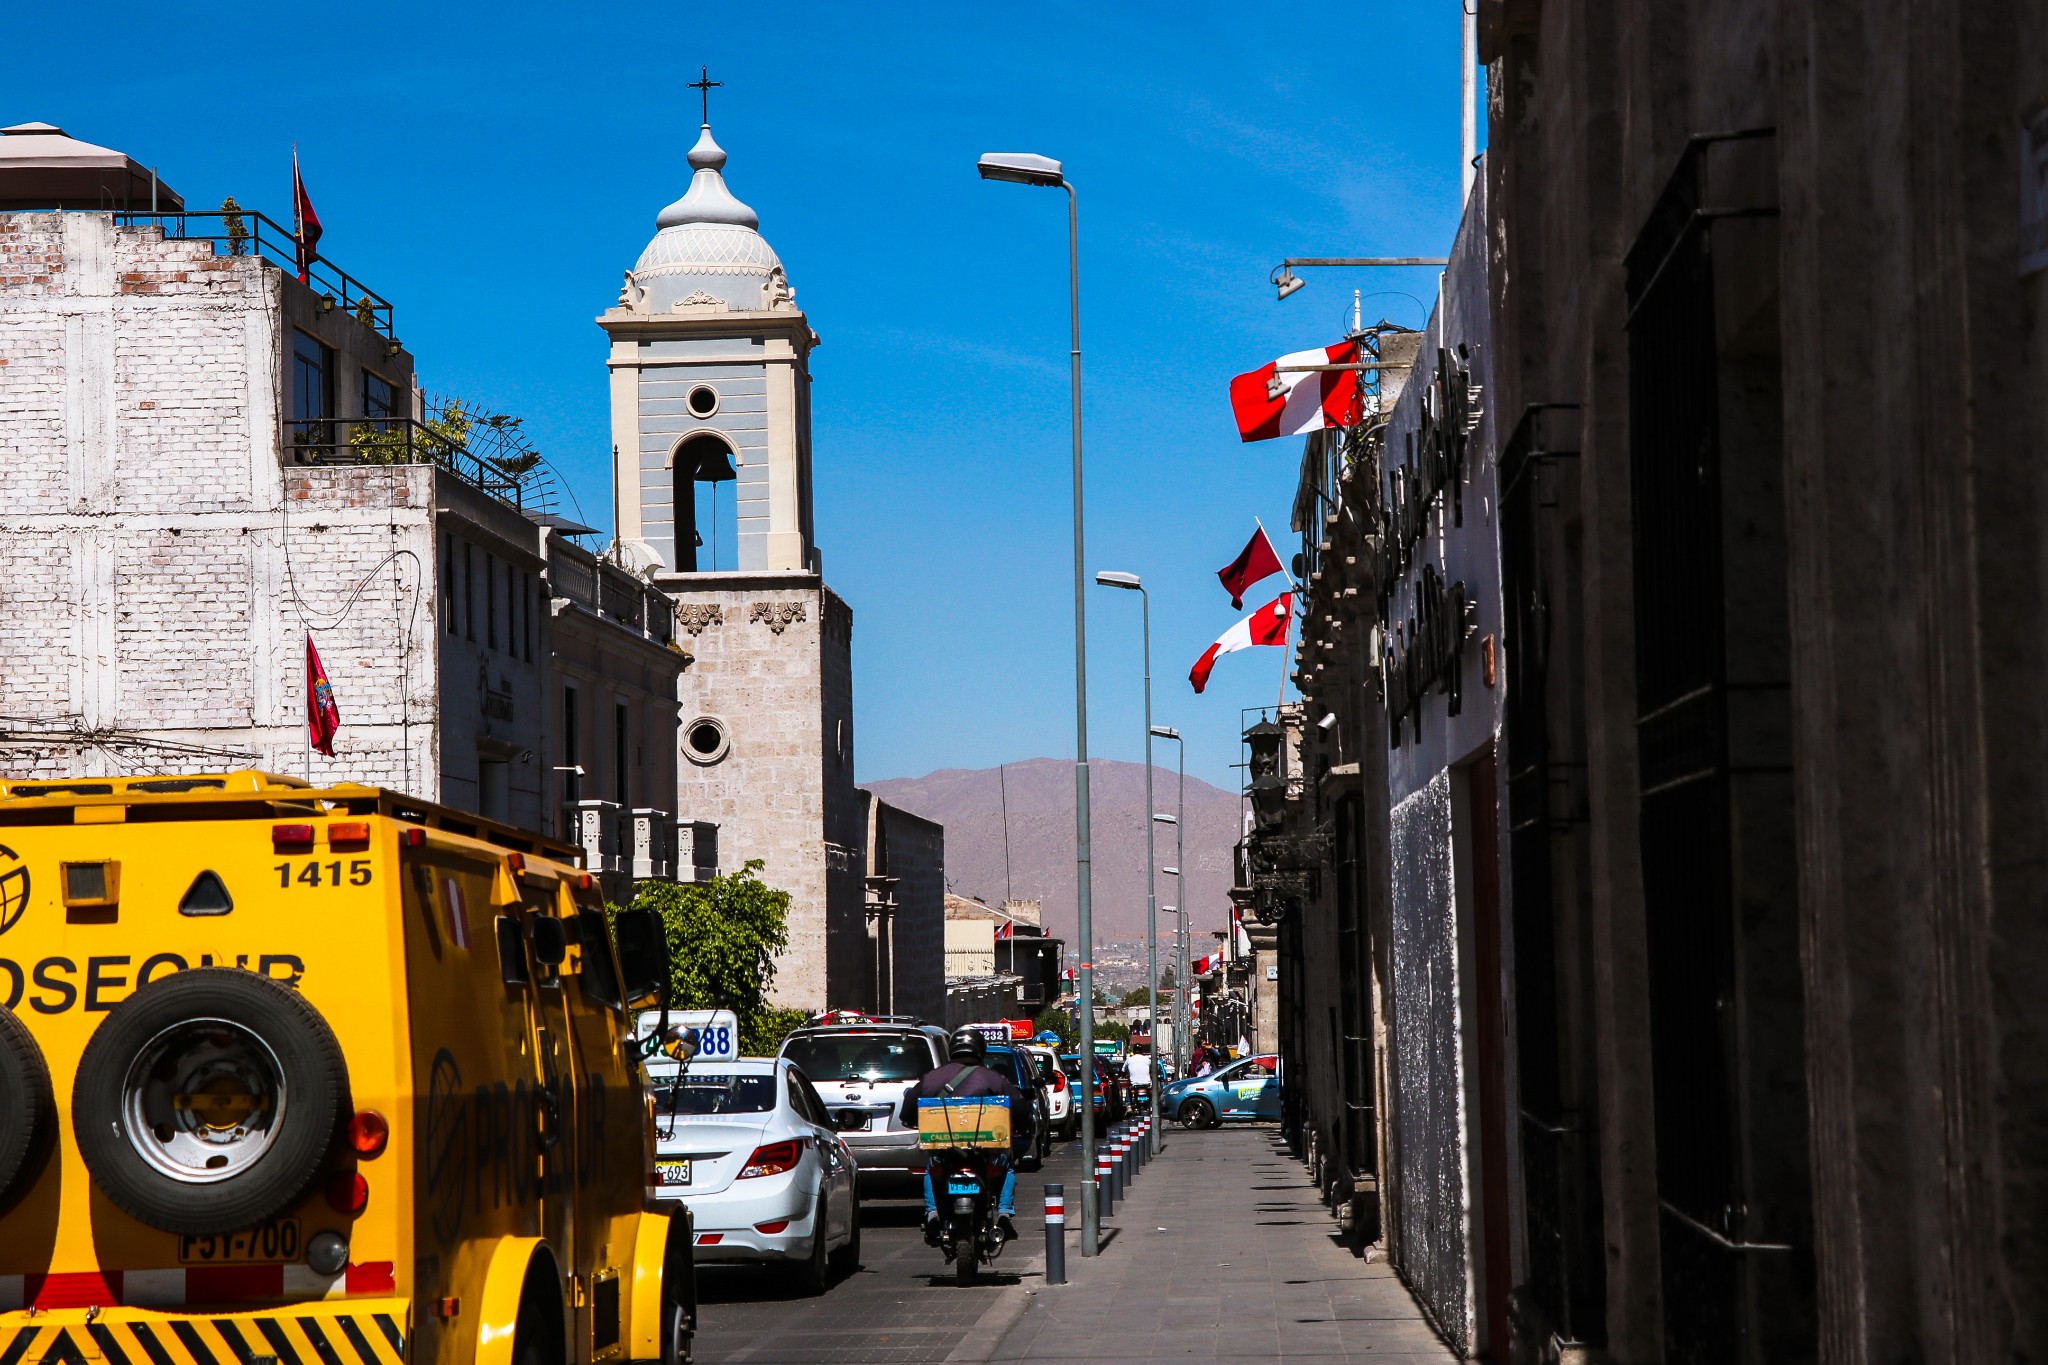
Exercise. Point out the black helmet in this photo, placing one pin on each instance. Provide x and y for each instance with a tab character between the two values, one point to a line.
967	1045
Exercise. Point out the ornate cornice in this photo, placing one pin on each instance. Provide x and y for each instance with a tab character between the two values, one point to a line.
778	616
696	617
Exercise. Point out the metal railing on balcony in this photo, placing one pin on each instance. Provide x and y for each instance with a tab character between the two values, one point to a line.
395	441
244	232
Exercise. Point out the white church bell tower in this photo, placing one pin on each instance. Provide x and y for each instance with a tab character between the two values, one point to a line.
710	385
711	435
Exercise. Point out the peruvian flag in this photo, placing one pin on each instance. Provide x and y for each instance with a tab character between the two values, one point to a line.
323	717
1266	626
305	222
1282	399
1205	965
1007	929
1256	562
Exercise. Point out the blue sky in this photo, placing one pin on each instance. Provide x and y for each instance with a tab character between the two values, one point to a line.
493	169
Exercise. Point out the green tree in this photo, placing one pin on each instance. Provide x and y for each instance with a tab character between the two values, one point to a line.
723	936
1112	1030
1138	996
1056	1020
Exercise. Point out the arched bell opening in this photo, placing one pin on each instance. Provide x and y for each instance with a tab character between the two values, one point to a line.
707	524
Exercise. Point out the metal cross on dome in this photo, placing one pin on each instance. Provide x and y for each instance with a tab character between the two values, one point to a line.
704	85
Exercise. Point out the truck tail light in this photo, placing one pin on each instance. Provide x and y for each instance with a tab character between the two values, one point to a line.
348	1193
291	836
774	1158
348	834
368	1133
412	838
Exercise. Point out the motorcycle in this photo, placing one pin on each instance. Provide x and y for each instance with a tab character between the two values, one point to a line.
968	1233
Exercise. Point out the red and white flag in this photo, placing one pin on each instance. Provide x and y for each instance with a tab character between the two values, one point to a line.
1266	626
323	717
1007	929
1281	399
1256	562
1205	965
305	222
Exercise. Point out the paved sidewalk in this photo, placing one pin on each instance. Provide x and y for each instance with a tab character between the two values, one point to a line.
1223	1252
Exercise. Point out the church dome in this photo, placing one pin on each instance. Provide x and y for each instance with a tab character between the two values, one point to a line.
708	249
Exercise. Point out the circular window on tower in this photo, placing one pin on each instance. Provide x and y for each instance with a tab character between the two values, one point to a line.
705	741
703	401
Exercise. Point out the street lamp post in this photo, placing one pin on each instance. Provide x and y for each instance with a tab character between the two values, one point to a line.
1026	168
1182	1019
1130	581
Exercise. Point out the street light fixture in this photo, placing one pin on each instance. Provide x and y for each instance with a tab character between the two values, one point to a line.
1111	578
1027	168
1183	1017
1285	281
1021	168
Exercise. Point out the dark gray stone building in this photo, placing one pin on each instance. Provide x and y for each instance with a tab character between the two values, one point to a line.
1750	1045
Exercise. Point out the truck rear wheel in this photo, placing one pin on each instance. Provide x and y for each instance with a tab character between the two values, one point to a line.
28	1111
209	1100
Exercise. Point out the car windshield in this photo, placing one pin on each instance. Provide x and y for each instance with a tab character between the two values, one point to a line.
860	1057
706	1093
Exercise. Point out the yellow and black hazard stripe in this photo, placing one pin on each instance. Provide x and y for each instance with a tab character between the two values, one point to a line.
284	1338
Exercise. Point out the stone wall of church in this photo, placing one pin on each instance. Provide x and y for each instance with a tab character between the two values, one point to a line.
757	682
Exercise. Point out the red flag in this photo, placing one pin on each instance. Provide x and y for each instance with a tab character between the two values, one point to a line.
323	718
1255	562
1266	626
1007	929
305	222
1272	401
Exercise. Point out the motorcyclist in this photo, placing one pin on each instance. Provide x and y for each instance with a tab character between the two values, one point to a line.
965	1077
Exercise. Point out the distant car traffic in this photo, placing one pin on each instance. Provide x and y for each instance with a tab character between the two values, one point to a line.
1106	1091
862	1071
747	1146
1244	1090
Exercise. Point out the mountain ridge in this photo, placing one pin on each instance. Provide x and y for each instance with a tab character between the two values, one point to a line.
1039	794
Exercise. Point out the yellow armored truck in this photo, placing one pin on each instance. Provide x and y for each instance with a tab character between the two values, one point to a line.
299	1076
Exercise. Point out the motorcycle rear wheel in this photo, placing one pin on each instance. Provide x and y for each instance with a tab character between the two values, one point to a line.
965	1267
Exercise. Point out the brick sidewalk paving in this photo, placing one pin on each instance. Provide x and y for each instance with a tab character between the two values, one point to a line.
1222	1252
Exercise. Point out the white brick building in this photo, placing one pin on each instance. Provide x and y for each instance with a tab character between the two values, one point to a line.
192	480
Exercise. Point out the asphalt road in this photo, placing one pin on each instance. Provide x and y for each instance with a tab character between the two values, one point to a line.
901	1305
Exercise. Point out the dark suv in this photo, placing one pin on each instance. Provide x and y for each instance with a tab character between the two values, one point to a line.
1036	1138
861	1071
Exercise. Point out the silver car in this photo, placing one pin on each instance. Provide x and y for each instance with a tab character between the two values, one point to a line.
862	1072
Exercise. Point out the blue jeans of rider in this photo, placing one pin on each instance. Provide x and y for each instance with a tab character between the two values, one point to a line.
1006	1200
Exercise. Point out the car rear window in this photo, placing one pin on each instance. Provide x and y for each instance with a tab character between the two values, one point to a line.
860	1056
706	1092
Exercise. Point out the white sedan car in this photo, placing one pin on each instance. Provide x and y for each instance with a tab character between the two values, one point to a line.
747	1146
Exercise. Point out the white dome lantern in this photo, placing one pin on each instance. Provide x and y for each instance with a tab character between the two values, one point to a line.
708	252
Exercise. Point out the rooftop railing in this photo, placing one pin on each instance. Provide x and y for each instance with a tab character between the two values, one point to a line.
395	441
244	232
